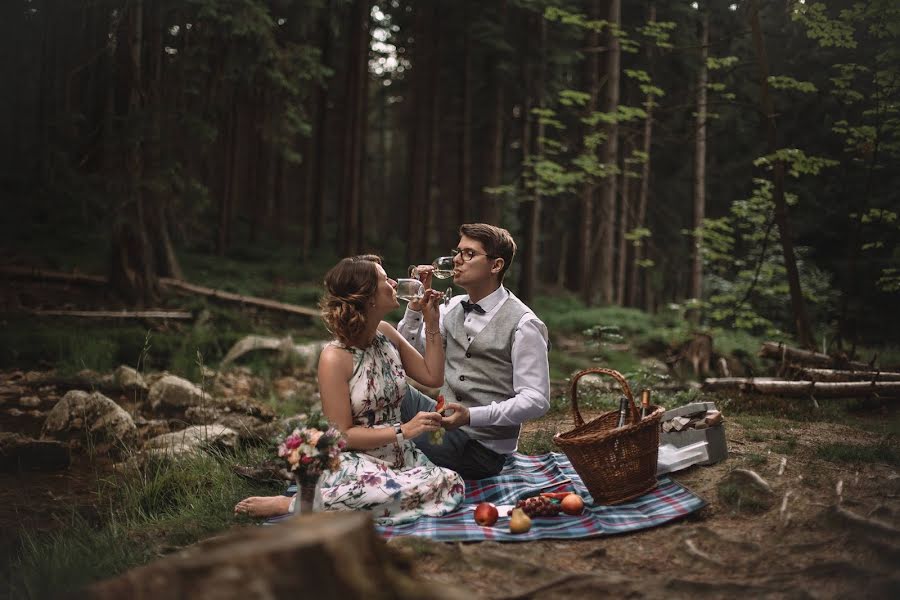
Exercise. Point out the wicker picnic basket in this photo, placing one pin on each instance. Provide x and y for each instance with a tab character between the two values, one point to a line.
615	463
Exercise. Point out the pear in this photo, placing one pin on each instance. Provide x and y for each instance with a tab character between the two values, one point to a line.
519	522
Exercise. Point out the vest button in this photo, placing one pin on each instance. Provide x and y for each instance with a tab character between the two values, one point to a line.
462	377
468	355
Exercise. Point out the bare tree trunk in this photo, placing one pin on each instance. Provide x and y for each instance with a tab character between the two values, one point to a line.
465	158
634	287
798	305
432	210
700	166
582	266
624	227
420	145
351	182
226	199
132	272
317	199
609	157
531	206
492	205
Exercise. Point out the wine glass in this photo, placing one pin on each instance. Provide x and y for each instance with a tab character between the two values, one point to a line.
443	268
413	289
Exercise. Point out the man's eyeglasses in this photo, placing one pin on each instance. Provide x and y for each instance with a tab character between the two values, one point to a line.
468	254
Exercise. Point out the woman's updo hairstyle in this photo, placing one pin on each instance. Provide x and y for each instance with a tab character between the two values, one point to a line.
350	286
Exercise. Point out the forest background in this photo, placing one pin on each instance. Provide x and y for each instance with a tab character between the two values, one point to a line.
667	168
738	156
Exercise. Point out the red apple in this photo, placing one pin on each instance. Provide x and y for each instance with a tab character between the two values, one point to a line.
486	514
572	504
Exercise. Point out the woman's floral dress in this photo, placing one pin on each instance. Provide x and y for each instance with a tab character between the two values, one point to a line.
396	484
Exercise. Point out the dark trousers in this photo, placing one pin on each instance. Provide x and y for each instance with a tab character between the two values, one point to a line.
457	451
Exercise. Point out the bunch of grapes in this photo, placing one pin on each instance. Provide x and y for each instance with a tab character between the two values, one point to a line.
538	506
437	436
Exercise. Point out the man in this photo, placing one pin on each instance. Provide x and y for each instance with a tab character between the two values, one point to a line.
497	373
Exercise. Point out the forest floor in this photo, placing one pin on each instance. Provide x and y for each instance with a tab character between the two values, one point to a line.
801	546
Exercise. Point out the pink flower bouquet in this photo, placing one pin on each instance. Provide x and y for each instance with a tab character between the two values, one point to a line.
312	447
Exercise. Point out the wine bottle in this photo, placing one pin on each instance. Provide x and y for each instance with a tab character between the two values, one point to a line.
645	403
623	410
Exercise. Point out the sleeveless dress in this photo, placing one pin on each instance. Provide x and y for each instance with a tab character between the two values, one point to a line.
397	484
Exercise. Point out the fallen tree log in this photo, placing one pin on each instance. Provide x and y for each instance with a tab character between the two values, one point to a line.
306	353
41	274
177	284
231	297
818	389
115	314
844	375
779	351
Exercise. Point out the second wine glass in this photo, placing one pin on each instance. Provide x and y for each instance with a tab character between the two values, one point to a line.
409	290
443	268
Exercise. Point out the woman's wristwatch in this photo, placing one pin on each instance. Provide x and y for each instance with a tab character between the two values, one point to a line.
399	433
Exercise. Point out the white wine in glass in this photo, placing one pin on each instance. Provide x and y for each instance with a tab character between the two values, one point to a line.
409	290
443	268
413	289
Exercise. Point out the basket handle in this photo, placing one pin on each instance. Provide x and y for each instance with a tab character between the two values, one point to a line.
573	392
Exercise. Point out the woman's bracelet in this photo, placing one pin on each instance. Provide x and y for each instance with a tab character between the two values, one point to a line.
431	334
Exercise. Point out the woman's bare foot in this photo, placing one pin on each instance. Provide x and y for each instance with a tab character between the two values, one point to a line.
263	506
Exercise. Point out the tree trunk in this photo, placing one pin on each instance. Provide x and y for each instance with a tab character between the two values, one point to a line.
327	555
798	305
609	157
465	153
801	389
354	142
492	204
157	203
420	144
317	187
531	206
788	354
132	271
582	272
634	287
700	166
625	218
844	375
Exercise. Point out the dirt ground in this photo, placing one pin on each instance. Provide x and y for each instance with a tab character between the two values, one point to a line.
800	547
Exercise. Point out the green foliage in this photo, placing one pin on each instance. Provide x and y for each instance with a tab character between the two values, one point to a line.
828	32
784	82
797	161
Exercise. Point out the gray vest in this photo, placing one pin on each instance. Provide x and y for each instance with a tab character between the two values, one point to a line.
480	372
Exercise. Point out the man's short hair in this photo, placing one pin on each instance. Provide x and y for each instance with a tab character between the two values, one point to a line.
497	242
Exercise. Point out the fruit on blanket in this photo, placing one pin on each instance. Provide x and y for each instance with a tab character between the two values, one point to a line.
519	522
555	495
538	506
572	504
486	514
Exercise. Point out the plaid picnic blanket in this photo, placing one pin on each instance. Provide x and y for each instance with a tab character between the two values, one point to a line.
527	475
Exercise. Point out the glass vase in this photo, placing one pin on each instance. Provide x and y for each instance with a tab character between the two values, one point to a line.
309	496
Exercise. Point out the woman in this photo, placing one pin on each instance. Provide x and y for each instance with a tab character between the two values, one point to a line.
362	380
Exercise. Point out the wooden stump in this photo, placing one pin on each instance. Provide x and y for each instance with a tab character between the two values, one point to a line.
323	555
